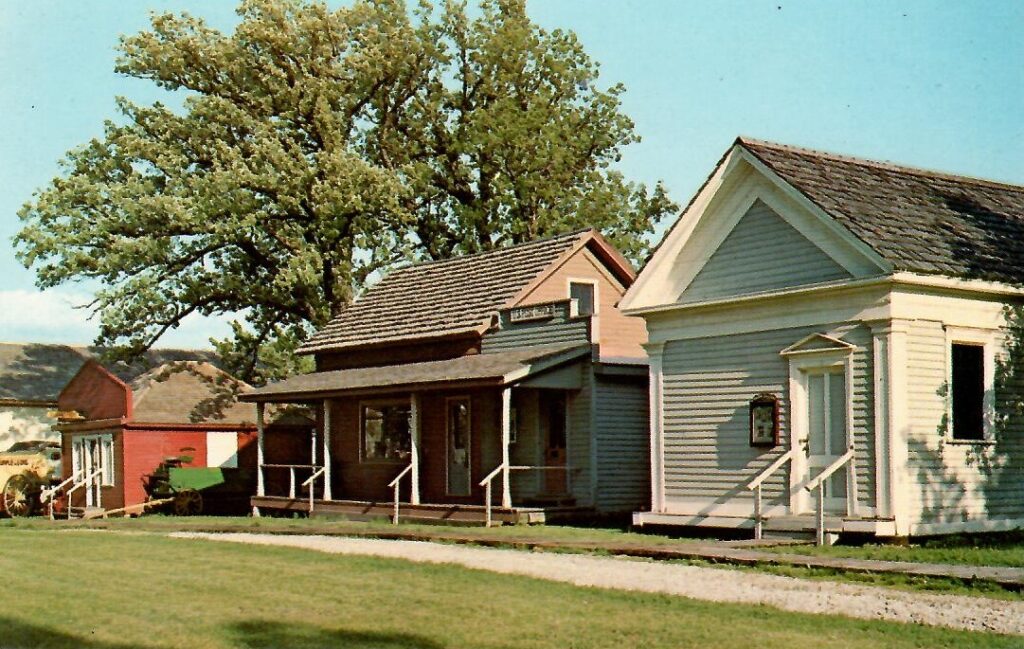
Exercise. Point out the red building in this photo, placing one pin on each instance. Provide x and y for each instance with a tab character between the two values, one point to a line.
117	429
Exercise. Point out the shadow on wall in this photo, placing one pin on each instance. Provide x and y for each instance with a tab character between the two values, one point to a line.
999	466
263	633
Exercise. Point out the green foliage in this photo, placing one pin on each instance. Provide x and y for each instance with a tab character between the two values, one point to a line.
316	147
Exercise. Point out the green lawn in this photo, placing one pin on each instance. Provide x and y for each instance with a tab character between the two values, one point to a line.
93	590
988	550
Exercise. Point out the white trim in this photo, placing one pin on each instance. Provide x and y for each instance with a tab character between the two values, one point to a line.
984	338
574	307
900	482
725	506
800	368
327	448
969	526
656	409
879	352
837	345
416	432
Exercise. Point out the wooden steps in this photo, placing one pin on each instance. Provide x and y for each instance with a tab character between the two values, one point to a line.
446	514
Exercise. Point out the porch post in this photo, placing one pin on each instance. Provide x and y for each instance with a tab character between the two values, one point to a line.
414	450
506	436
260	490
327	449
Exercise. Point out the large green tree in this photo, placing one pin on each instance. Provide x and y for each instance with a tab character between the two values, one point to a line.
314	147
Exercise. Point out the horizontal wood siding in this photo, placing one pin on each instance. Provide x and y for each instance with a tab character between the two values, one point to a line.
580	439
708	384
762	253
519	335
957	482
619	335
622	436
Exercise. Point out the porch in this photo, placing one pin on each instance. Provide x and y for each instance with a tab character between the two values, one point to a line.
480	439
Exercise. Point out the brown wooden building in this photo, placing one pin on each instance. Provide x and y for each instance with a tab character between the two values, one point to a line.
510	371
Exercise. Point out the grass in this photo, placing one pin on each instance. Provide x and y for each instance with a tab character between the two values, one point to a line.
112	591
1005	549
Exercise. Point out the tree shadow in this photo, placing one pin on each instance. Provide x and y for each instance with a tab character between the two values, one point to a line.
986	239
15	634
265	633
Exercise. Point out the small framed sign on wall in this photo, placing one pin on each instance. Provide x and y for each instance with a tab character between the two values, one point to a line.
764	420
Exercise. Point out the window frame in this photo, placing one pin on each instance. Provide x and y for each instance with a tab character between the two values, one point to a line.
363	405
984	338
107	456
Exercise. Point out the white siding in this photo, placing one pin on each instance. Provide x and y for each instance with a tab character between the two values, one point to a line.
956	482
762	253
708	384
623	440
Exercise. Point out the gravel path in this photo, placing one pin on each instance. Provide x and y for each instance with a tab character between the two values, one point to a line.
713	584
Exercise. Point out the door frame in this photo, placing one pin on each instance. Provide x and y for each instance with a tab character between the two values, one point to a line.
81	444
801	364
469	446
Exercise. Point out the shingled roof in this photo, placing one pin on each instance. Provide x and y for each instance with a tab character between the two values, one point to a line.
917	220
451	297
35	373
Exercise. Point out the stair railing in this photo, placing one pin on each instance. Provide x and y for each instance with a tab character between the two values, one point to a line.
394	484
819	483
755	486
311	483
48	496
81	483
486	483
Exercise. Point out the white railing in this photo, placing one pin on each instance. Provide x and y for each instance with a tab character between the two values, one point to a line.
291	474
311	483
48	496
755	486
81	483
819	483
394	484
486	483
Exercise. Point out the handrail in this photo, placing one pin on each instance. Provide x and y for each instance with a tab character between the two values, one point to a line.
311	483
486	482
819	483
395	484
48	495
86	480
772	468
829	470
755	486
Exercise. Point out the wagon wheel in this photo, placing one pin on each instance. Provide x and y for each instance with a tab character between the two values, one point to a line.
188	502
17	496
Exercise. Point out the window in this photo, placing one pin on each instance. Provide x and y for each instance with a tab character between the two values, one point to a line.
583	293
968	391
107	442
385	431
90	453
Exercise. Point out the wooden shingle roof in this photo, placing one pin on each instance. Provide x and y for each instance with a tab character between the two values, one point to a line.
35	373
458	296
917	220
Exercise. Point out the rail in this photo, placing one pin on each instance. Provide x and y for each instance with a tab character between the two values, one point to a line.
311	483
291	473
394	484
81	483
487	481
755	486
819	483
48	496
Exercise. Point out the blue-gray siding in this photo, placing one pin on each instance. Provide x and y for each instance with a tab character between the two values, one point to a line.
558	329
622	435
708	383
762	253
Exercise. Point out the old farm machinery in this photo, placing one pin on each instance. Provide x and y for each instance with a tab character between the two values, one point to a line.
27	469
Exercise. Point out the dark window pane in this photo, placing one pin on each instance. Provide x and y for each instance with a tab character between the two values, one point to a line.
386	434
968	392
584	296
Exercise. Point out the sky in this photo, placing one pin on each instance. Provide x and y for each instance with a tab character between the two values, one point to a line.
932	84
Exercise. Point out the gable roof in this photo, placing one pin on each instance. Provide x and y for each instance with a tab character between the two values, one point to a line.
189	391
917	220
36	372
458	296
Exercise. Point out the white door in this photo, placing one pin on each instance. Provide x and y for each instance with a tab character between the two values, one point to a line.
826	432
87	456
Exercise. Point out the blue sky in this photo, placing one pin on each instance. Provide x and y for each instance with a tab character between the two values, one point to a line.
931	84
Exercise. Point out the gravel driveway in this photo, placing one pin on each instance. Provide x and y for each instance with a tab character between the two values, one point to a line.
712	584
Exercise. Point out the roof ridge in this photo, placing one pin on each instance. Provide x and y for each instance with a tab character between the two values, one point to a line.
492	251
881	164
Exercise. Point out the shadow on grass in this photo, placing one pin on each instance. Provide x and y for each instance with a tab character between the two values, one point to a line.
16	634
263	633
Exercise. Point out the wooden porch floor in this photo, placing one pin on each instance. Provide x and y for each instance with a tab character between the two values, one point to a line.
426	512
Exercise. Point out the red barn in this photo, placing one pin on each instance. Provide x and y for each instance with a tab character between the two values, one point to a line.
119	428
